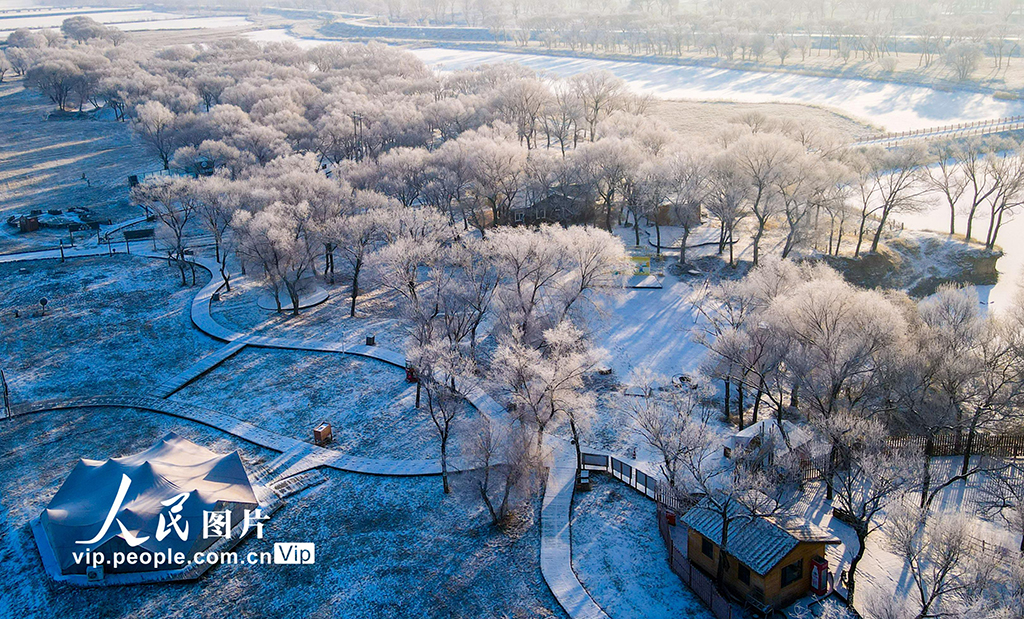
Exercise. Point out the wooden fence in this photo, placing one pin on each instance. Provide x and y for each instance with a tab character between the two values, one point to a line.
955	444
979	127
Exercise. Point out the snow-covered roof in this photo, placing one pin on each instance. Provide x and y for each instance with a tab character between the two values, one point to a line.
759	543
169	468
791	436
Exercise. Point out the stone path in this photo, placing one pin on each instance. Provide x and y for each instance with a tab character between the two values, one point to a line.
298	456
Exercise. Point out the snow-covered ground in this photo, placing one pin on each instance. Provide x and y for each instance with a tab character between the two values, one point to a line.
280	35
376	314
896	107
934	217
127	20
652	328
112	325
368	403
620	558
385	547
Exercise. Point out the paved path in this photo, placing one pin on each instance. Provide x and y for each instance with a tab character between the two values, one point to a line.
556	537
311	455
197	369
298	456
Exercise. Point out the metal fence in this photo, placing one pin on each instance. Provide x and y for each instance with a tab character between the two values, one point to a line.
627	474
698	582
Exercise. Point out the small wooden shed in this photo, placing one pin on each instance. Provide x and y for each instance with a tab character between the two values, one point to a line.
770	560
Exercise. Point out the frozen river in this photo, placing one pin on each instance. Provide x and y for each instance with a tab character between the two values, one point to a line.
895	107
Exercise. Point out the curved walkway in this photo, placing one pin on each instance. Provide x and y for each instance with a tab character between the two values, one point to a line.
312	456
298	456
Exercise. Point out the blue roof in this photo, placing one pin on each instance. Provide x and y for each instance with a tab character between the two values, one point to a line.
758	543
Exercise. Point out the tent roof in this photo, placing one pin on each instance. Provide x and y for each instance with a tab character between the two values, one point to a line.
169	468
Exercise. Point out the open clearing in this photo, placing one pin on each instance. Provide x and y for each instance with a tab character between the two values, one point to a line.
704	118
620	558
368	403
112	325
42	161
384	547
376	314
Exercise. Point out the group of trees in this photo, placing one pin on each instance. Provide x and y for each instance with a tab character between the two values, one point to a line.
498	144
858	367
862	365
960	34
534	290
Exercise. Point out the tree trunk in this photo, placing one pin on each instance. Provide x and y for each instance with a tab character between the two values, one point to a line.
444	463
355	287
576	439
757	401
757	242
722	561
926	476
739	403
851	573
970	222
860	232
728	386
682	245
878	233
972	432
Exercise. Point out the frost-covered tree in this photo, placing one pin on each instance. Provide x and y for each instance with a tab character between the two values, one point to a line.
663	416
762	159
509	463
734	490
947	571
439	369
155	125
172	201
875	477
600	93
545	384
5	66
277	239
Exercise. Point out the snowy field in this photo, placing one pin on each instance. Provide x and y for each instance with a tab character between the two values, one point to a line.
113	325
43	159
620	558
893	106
375	315
124	19
896	107
385	547
368	403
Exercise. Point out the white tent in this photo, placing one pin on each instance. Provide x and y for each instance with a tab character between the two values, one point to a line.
81	509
